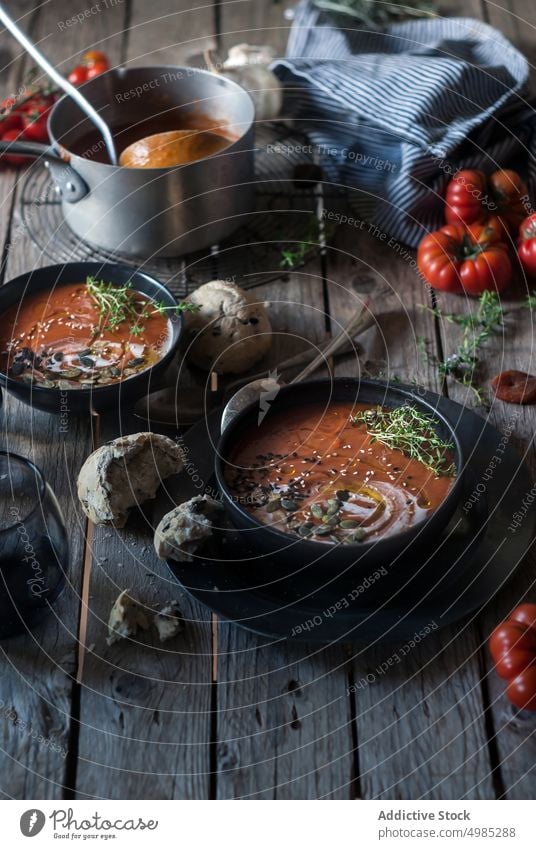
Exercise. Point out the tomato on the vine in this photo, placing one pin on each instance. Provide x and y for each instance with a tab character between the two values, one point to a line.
78	75
521	690
13	158
464	198
465	259
95	62
95	57
34	119
525	614
526	245
97	69
471	198
512	646
509	193
35	126
12	121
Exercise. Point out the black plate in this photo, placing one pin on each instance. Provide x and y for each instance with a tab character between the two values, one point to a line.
475	556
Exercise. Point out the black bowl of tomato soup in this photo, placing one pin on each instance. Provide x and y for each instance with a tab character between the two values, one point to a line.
318	499
85	336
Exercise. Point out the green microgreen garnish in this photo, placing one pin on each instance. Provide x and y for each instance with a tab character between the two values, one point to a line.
411	431
463	364
116	305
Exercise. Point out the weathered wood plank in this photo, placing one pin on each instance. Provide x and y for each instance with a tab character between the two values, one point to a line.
255	23
284	723
420	725
164	33
515	19
284	727
145	707
38	670
514	736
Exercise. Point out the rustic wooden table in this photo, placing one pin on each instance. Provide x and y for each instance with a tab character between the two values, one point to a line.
221	713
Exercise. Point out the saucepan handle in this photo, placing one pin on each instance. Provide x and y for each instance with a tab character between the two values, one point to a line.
69	184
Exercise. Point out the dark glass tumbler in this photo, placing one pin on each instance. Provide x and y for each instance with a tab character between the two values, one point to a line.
34	552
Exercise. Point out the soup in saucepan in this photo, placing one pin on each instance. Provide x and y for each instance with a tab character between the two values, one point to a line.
325	473
82	334
205	137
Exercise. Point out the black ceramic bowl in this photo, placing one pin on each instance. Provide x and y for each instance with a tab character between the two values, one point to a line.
304	563
96	398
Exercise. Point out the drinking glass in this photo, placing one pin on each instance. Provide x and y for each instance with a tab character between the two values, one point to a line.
34	552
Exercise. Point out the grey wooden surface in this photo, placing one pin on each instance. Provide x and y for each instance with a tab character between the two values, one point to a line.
220	713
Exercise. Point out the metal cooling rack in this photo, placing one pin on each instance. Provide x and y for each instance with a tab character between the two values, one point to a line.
285	219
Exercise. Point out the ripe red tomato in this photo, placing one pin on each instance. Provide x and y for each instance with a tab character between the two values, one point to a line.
8	103
463	198
13	158
95	57
522	689
513	662
526	245
78	75
35	127
471	198
96	69
12	121
511	635
509	193
34	119
525	614
465	259
512	646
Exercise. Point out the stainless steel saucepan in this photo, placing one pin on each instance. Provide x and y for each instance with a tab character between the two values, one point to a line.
155	211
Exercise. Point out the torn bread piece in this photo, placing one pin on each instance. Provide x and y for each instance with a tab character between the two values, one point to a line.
124	473
186	528
168	621
126	617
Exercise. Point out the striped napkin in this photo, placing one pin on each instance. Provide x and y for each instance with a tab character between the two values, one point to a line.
394	113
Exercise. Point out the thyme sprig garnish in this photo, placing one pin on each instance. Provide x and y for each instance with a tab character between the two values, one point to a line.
463	365
411	431
116	305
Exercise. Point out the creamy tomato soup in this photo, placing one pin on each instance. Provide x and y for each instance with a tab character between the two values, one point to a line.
312	471
67	338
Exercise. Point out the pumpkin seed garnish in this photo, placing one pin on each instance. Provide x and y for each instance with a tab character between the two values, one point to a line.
331	520
46	384
317	511
323	530
87	361
71	372
348	524
306	529
273	505
358	535
289	504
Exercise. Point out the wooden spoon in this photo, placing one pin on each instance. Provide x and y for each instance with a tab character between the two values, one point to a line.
177	147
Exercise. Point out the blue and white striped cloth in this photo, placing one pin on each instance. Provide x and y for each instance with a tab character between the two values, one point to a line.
394	113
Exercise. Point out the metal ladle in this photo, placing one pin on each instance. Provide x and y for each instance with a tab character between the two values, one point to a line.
61	82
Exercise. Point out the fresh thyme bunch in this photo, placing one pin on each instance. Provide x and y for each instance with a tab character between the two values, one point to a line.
117	305
411	431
